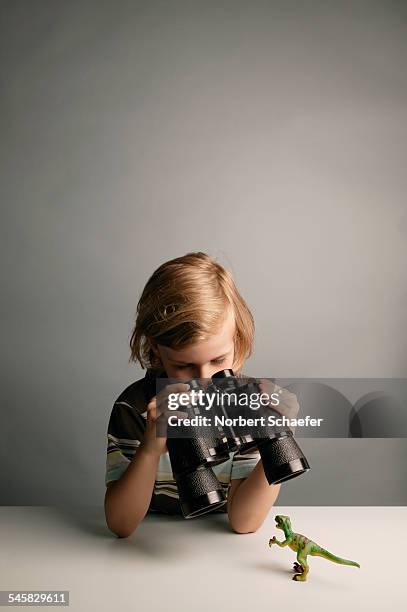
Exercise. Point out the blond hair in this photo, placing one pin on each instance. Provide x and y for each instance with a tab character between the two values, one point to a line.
187	299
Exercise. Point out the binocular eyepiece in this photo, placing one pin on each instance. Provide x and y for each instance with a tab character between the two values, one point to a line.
193	454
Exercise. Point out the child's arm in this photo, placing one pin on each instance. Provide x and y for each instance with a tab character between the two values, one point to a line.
250	500
127	500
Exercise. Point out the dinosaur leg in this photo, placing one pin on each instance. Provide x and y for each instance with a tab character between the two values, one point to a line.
302	561
297	567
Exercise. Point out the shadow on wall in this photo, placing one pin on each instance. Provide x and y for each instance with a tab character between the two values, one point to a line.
374	415
319	400
377	415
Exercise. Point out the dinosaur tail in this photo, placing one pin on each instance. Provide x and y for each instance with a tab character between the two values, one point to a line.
322	552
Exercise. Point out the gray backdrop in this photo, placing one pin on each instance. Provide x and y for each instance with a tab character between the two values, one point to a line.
271	135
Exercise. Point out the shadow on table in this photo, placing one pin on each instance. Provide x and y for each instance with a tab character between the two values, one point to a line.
165	543
273	567
90	521
276	568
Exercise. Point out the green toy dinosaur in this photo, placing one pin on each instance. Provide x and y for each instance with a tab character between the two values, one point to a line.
303	546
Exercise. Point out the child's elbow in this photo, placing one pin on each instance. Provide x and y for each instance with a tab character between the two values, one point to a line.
244	528
121	532
121	528
124	534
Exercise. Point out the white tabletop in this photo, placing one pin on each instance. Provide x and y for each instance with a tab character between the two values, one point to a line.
170	563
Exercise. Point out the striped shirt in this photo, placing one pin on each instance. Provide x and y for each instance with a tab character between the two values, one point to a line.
125	432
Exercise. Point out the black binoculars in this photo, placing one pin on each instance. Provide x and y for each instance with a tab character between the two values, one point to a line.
196	450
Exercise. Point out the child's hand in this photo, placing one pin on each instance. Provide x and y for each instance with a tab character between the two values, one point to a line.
157	411
288	404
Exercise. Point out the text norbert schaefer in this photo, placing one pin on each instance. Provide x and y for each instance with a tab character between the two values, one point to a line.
271	420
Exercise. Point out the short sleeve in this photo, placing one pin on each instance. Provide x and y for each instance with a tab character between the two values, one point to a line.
125	433
243	464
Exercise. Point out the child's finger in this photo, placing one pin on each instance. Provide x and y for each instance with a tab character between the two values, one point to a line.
175	390
288	404
159	403
163	416
162	421
152	409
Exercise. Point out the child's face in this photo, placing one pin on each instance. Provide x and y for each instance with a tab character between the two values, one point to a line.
201	359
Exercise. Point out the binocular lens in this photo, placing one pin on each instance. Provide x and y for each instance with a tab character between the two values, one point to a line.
199	492
282	459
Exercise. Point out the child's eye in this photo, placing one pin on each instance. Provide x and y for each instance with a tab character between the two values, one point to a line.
215	362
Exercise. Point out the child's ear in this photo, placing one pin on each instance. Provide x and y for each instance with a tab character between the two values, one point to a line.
154	346
155	361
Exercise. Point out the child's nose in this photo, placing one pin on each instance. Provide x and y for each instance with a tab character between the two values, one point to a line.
205	372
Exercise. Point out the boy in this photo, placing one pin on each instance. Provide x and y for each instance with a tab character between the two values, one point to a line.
191	322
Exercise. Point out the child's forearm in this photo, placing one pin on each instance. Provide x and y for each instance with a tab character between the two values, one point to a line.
252	501
127	499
